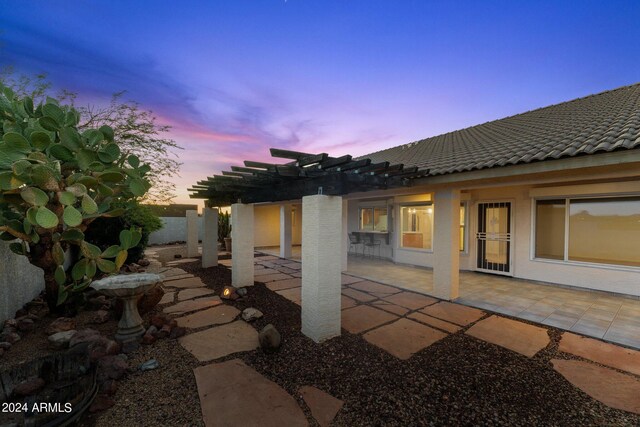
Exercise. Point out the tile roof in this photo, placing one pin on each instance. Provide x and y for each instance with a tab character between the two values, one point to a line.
604	122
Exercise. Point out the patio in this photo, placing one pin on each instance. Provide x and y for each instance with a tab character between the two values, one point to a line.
612	318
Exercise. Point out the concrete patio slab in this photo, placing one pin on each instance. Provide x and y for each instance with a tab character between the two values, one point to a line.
265	278
294	294
454	313
192	305
610	387
221	341
403	338
293	265
191	282
374	288
218	315
410	300
266	258
347	302
436	323
601	352
167	298
516	336
347	280
264	272
392	308
323	406
194	293
363	317
226	262
286	270
358	295
294	282
233	394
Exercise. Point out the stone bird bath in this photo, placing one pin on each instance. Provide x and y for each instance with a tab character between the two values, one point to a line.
128	287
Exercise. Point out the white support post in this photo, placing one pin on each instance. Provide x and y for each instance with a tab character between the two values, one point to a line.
192	234
242	240
210	238
285	231
321	264
446	245
345	234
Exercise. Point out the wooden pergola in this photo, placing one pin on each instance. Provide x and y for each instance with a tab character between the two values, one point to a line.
306	174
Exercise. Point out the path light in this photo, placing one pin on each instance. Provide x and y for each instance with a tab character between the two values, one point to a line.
230	293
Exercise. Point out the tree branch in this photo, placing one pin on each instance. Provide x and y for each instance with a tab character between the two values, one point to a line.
15	233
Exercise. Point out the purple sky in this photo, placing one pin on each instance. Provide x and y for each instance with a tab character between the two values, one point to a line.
237	77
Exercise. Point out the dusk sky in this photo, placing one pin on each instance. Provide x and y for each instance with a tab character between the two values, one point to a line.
235	77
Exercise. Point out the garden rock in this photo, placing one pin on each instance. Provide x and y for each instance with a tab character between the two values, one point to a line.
28	387
61	324
24	324
10	337
148	339
97	302
149	365
5	345
10	323
61	339
269	338
144	262
109	387
111	367
101	403
102	347
177	332
242	291
100	316
84	336
158	321
250	314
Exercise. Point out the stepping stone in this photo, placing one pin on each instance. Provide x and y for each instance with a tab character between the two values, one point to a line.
357	295
454	313
347	302
374	288
173	272
233	394
226	262
286	270
167	298
285	284
181	261
403	338
347	280
293	265
323	406
192	305
177	277
436	323
272	277
266	258
265	272
601	352
516	336
213	316
280	261
610	387
410	300
363	317
221	341
190	282
194	293
395	309
268	264
294	295
296	274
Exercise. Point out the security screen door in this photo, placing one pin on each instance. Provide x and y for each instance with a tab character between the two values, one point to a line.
494	237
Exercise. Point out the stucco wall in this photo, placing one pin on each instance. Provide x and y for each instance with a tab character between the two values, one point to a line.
174	230
20	282
267	225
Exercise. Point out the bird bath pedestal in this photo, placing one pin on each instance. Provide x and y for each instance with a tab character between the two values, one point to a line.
128	287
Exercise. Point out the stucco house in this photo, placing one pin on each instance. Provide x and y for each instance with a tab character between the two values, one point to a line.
551	195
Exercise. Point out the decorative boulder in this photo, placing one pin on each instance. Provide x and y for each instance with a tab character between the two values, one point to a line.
269	339
61	339
84	336
61	324
250	314
28	387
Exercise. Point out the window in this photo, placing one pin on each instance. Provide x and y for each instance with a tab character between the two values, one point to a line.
374	219
416	226
463	228
600	230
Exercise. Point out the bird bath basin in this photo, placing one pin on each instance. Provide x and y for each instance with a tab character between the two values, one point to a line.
128	287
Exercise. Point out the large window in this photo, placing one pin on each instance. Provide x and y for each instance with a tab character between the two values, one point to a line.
463	226
600	230
416	223
374	219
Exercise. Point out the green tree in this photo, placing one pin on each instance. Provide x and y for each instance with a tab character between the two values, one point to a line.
54	182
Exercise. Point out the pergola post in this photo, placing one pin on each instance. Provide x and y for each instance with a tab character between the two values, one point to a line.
242	239
321	264
285	231
446	245
210	238
192	233
345	234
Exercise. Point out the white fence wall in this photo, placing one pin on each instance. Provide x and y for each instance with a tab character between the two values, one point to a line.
20	282
174	230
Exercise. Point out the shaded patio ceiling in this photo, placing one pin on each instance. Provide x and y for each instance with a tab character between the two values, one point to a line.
304	175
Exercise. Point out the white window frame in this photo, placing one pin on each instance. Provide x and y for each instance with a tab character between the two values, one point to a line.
400	231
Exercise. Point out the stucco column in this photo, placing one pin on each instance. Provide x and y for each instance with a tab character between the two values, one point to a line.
345	234
446	244
242	240
192	234
321	265
285	231
210	238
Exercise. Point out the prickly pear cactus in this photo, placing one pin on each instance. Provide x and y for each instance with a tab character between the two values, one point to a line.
54	182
